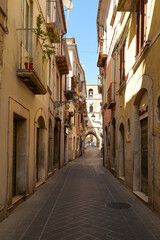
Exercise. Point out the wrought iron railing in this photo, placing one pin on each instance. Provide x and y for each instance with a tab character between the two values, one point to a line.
31	56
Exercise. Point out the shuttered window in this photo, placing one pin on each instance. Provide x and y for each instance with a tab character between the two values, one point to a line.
141	24
122	62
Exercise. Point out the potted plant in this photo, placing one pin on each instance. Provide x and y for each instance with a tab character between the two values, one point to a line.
26	63
31	63
67	107
66	121
71	114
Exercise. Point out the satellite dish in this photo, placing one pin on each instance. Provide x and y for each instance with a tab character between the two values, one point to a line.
68	4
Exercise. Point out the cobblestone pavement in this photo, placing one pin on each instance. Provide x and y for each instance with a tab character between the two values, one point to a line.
82	201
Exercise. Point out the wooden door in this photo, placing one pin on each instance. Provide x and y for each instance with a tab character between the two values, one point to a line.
144	155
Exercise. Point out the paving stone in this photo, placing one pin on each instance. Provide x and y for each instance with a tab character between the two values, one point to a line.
72	205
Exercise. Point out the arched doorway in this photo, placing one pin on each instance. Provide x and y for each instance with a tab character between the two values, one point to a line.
74	148
121	151
105	145
91	141
50	147
65	148
40	150
56	145
113	143
140	175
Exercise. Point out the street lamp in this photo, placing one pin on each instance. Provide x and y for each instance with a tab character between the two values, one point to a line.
93	117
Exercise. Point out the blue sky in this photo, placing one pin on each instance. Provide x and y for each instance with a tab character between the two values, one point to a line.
82	26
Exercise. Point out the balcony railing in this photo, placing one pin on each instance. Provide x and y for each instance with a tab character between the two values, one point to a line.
53	23
70	89
111	95
62	57
125	5
102	55
32	68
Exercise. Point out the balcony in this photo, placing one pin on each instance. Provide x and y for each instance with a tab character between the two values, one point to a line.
70	89
125	5
100	86
32	68
102	56
62	57
111	96
53	20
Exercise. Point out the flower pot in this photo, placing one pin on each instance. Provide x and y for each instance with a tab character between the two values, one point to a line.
31	65
26	65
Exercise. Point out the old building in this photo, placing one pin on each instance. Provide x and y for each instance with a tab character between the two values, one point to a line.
128	38
76	91
34	60
94	100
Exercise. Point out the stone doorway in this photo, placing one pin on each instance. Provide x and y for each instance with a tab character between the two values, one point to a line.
40	150
19	155
121	152
56	146
140	172
144	156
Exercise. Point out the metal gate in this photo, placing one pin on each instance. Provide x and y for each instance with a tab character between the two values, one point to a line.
144	155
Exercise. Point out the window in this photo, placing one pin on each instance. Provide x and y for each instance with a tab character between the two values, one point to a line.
122	62
90	93
91	108
140	24
27	24
48	8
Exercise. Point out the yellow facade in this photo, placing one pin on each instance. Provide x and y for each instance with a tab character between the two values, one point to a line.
136	112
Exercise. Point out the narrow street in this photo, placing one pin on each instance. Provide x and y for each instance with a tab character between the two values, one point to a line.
82	201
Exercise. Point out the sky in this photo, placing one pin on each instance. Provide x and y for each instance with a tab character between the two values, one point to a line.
82	26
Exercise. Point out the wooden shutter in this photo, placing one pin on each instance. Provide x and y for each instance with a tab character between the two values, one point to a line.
137	27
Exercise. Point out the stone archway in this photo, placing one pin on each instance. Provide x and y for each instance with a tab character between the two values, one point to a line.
94	134
140	175
142	103
105	146
40	147
50	147
113	142
121	151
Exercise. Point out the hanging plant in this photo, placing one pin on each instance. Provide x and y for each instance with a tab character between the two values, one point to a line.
71	114
67	107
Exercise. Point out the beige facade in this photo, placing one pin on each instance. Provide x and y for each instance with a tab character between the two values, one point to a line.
32	139
94	125
76	93
129	61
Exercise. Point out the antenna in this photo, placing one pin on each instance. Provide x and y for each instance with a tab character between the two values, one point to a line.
69	5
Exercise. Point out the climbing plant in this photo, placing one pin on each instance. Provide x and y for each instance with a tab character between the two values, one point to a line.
48	49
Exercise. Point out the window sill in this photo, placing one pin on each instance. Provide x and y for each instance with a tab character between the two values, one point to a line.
140	56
